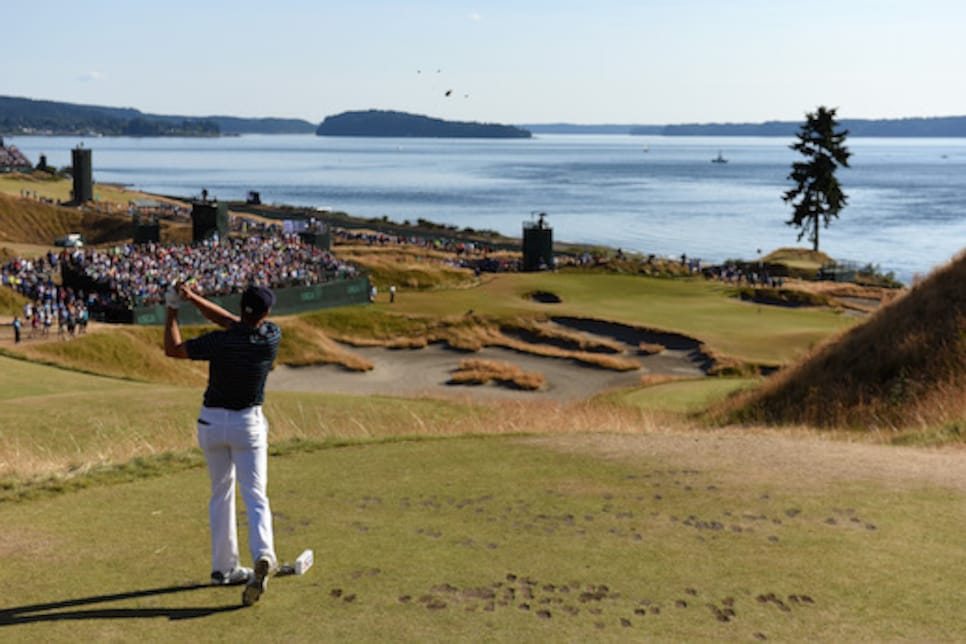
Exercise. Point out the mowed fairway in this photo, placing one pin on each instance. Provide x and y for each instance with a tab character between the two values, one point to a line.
668	536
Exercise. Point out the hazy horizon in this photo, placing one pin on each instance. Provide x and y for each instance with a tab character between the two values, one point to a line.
534	123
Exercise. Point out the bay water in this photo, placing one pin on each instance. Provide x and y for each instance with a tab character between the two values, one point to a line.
651	194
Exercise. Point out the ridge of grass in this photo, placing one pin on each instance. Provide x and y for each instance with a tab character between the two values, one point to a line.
903	367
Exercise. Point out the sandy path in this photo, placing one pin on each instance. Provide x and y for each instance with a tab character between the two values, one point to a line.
425	372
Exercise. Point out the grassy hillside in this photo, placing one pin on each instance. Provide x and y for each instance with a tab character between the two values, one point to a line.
11	302
798	260
905	366
31	221
28	221
116	351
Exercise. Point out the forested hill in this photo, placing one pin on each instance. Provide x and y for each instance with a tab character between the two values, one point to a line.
28	116
382	123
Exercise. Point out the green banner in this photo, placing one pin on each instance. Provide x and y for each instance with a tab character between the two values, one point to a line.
288	301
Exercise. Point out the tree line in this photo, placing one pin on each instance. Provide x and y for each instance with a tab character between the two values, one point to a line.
22	116
25	116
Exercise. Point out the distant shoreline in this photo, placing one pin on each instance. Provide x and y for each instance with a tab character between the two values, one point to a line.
934	127
29	117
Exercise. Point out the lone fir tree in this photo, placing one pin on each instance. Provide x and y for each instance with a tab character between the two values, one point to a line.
817	195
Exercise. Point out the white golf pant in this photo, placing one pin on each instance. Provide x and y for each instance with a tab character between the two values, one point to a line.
235	443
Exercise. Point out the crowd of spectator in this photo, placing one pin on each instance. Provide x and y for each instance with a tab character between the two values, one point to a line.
12	158
138	275
106	283
733	273
48	304
443	244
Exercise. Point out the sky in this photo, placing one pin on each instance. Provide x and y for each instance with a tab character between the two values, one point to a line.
505	61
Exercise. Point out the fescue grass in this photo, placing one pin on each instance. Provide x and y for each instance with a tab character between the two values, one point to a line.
904	367
650	348
26	223
562	538
58	423
118	351
407	267
546	333
480	372
11	303
306	344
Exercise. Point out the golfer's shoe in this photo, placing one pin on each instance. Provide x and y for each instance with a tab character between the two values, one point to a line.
236	577
258	582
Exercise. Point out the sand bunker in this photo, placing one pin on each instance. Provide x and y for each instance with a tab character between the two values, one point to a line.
425	372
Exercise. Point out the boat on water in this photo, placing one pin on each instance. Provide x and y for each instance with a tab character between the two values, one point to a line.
719	158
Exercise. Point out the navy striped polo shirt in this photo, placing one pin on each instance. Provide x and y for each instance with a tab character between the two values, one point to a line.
239	359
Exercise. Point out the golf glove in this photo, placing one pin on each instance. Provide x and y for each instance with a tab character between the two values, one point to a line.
172	299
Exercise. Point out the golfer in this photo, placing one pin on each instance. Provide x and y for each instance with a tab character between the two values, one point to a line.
232	431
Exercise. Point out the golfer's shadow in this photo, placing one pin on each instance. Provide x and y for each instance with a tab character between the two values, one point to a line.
52	612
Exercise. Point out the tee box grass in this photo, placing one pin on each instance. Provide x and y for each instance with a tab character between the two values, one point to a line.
499	539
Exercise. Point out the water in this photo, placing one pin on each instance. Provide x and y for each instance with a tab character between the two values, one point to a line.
651	194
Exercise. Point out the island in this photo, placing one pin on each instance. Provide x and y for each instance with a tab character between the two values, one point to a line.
387	123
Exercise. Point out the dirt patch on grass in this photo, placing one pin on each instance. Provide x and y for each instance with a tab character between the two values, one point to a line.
26	542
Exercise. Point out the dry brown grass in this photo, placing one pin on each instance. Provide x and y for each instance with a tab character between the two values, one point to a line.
904	367
409	267
306	344
11	302
544	332
116	351
725	366
407	343
24	221
844	289
479	372
545	417
650	348
138	420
